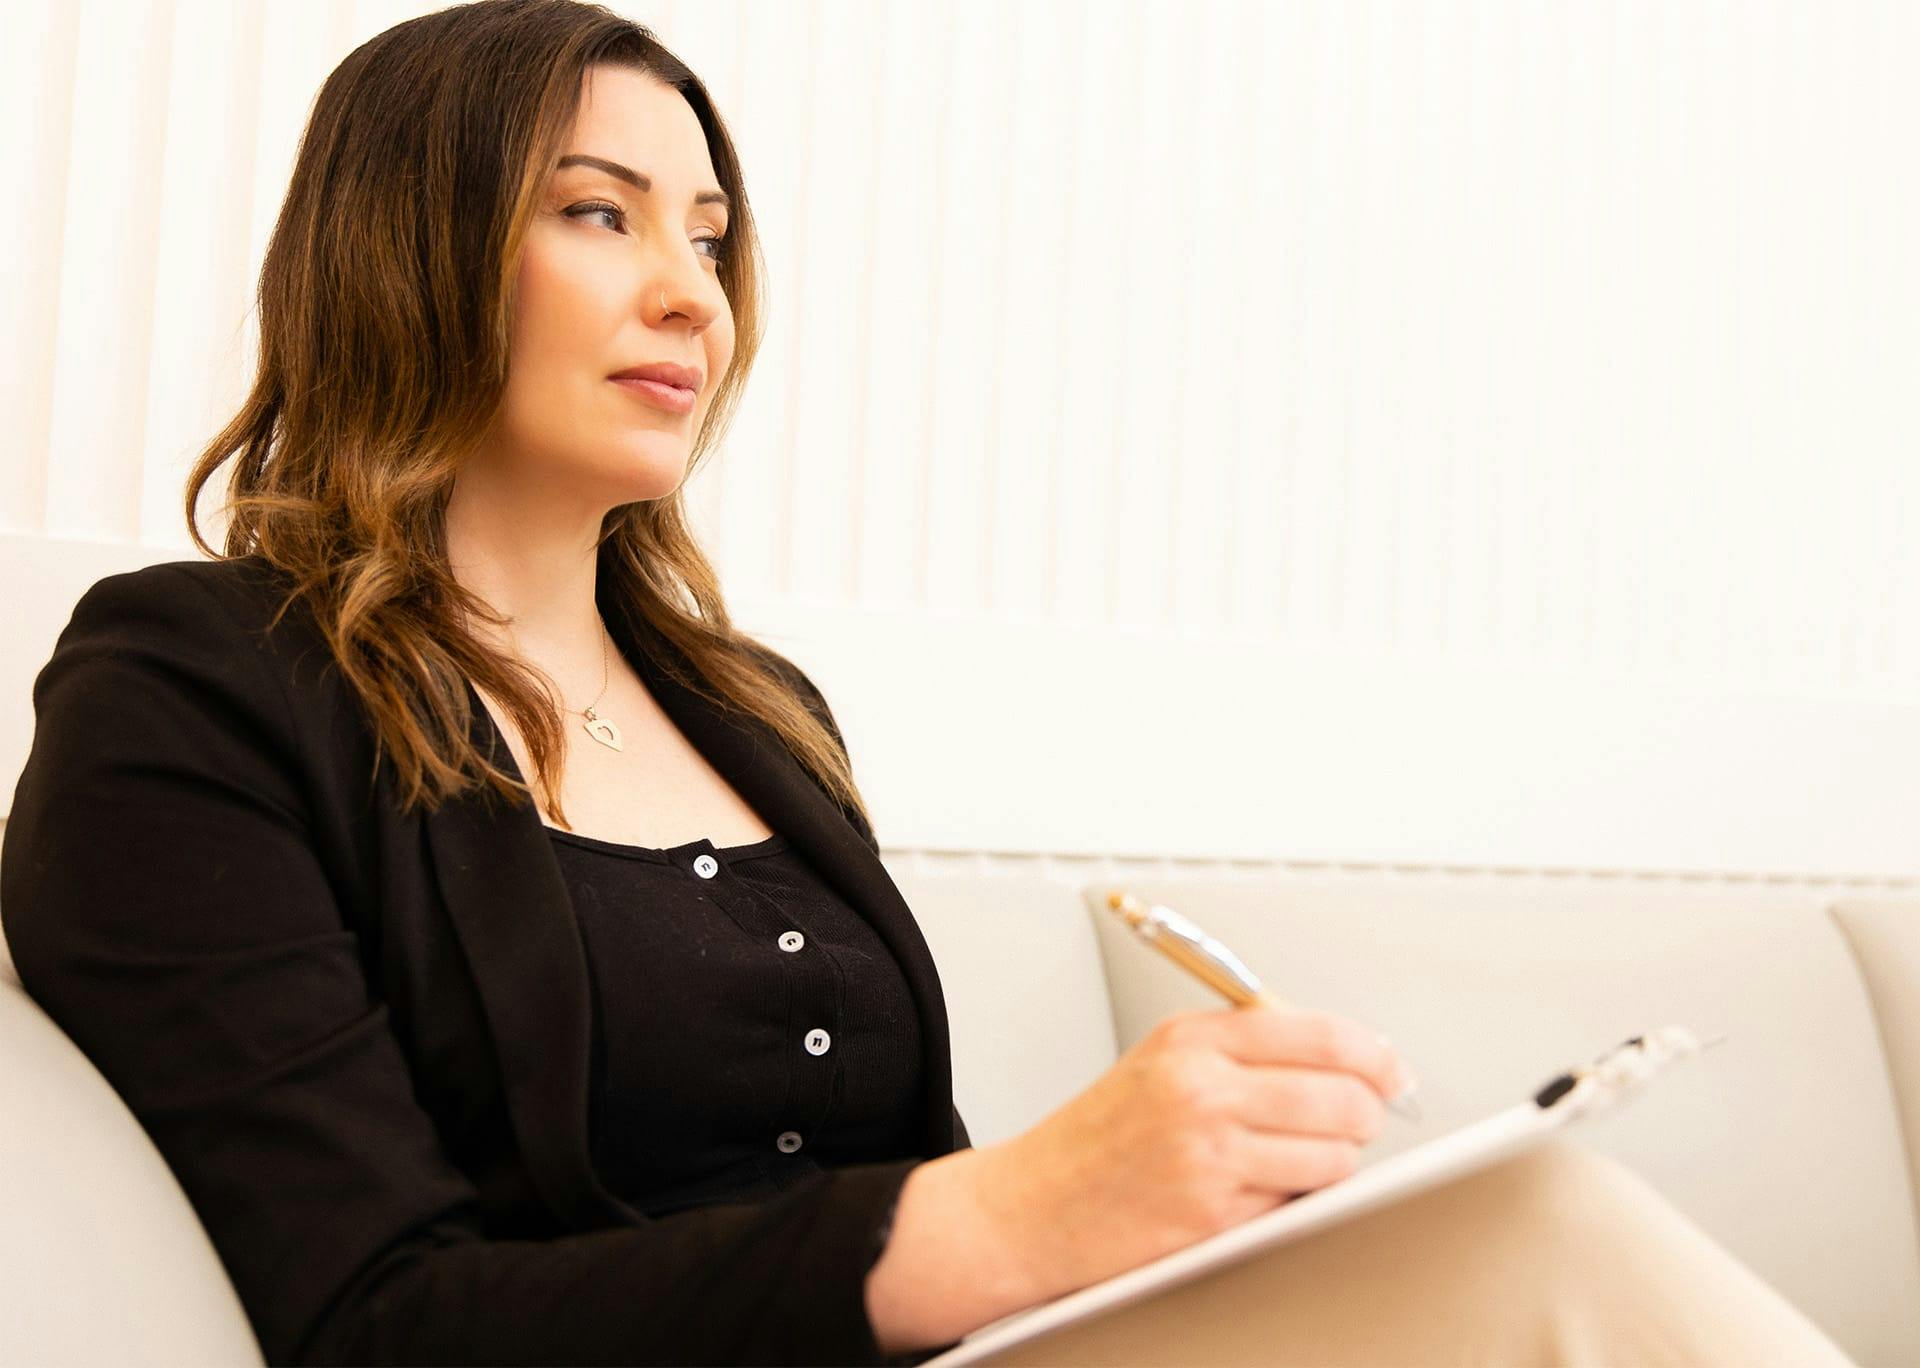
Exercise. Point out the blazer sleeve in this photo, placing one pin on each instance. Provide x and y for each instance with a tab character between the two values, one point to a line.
165	905
816	702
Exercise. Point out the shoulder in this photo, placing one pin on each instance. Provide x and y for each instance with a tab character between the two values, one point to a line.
184	610
227	592
783	668
173	630
156	691
795	679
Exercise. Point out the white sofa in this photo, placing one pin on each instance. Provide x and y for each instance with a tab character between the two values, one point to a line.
1796	1143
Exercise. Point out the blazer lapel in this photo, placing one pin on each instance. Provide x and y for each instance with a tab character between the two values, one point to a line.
514	918
511	911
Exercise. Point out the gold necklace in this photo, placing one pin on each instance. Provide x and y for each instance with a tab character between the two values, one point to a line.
601	728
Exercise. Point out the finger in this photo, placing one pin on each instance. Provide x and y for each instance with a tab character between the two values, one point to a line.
1286	1164
1328	1102
1265	1034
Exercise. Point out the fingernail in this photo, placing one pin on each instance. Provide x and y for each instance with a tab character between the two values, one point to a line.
1407	1104
1408	1083
1405	1101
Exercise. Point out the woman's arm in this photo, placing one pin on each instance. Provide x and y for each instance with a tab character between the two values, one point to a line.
952	1264
165	905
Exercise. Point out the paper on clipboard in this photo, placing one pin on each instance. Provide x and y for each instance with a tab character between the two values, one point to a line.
1616	1076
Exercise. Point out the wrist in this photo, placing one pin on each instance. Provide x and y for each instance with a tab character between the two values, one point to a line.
955	1216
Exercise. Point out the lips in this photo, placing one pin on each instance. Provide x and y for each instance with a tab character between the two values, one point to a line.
665	373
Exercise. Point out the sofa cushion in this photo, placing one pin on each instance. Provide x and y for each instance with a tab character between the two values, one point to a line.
1026	1001
1782	1143
1884	934
102	1259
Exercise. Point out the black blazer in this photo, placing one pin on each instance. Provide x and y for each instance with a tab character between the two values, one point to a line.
361	1040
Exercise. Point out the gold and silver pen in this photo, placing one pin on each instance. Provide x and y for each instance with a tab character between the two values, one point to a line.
1213	964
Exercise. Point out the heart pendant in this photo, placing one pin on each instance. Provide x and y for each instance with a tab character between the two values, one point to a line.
603	731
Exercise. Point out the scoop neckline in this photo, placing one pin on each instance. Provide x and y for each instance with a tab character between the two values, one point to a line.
670	854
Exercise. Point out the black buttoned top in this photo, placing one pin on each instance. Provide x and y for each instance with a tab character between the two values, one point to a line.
749	1027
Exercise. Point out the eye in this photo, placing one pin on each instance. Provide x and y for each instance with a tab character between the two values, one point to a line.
619	217
584	210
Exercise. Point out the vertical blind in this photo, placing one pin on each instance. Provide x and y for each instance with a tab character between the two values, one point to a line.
1583	336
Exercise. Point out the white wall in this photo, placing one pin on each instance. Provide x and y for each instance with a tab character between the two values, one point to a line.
1523	484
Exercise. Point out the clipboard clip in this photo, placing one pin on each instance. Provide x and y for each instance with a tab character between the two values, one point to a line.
1620	1071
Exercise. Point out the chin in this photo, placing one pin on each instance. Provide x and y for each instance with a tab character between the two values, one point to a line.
647	476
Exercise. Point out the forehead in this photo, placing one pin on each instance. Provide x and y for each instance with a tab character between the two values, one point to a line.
632	117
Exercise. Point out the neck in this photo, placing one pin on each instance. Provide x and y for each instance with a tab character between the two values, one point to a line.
541	578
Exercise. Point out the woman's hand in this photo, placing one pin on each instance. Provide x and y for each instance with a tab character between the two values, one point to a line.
1211	1118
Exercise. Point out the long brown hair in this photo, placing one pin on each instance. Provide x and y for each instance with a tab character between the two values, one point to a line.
385	308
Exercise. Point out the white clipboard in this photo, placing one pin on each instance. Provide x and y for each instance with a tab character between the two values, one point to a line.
1611	1079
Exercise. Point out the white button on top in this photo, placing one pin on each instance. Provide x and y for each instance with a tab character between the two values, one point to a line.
818	1041
792	940
706	866
788	1142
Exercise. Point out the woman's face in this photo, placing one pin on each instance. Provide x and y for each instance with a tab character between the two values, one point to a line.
599	257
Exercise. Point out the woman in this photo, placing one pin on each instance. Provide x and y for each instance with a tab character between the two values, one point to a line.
621	1046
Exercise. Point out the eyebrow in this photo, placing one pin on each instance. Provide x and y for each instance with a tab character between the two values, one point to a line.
635	179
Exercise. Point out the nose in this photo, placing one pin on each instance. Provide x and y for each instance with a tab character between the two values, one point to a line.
699	300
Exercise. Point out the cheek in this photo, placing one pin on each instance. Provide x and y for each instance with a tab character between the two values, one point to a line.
544	321
719	347
551	360
561	315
